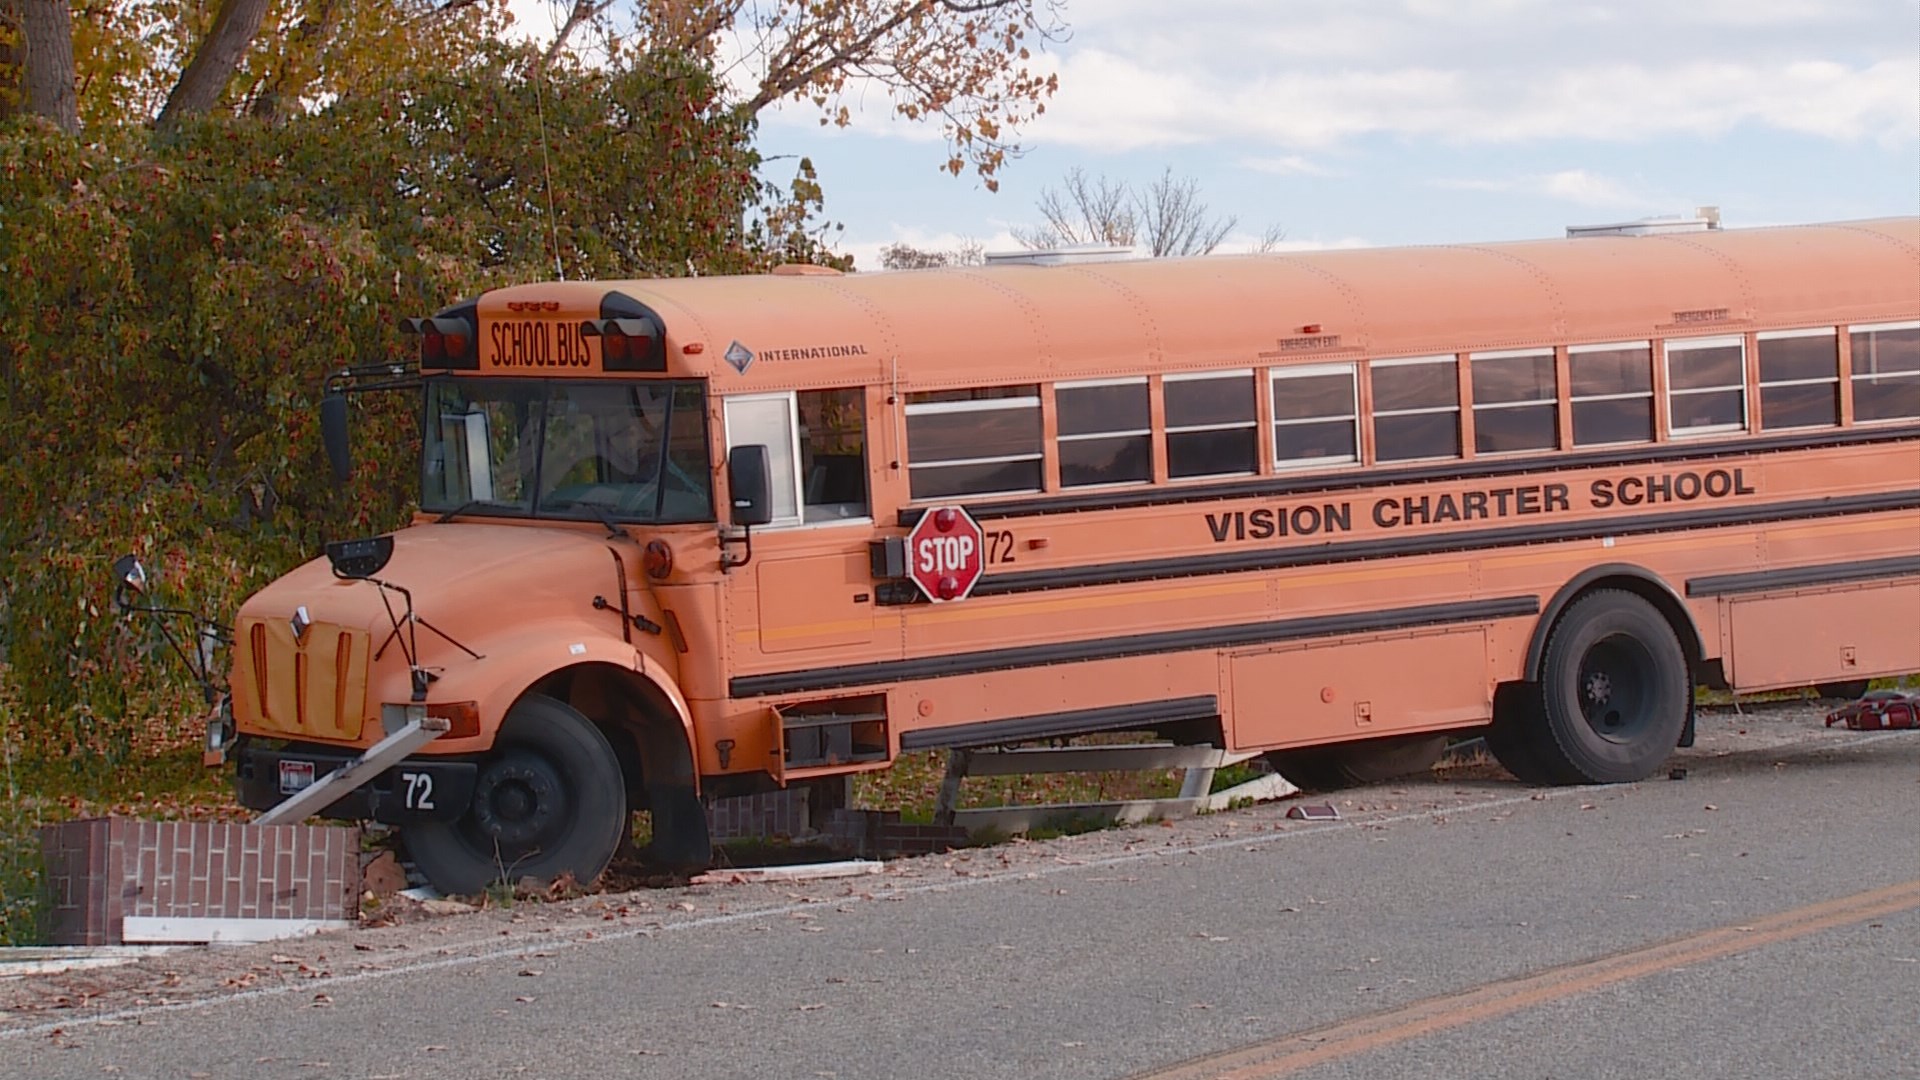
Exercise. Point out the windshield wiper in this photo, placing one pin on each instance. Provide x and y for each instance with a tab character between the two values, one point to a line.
606	518
462	509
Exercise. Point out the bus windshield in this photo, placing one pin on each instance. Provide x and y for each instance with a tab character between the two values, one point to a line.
632	451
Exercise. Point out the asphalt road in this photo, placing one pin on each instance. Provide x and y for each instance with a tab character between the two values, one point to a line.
1760	918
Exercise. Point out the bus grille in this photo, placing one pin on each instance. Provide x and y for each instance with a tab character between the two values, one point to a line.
315	686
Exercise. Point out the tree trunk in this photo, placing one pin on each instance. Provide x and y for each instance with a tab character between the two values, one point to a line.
214	62
46	27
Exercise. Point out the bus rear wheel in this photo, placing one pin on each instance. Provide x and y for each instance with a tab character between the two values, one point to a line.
1367	761
1845	691
1613	694
549	800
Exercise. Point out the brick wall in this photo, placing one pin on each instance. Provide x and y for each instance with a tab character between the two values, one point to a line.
771	814
102	870
882	833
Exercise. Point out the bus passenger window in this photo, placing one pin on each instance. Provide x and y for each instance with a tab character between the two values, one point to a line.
1707	385
983	441
1106	435
1799	379
1612	391
1211	424
1886	371
1416	408
1316	411
833	454
1515	401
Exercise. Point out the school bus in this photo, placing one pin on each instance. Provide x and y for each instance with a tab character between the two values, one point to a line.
698	537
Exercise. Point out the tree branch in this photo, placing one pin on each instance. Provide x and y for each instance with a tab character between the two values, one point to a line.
583	11
215	61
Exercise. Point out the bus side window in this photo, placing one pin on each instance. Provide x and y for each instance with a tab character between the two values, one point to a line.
816	444
767	420
833	454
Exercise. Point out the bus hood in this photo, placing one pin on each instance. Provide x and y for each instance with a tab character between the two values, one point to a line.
315	654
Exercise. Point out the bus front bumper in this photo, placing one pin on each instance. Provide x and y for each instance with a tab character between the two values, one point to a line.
416	790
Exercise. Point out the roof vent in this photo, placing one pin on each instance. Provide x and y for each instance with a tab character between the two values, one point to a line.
1067	255
1704	219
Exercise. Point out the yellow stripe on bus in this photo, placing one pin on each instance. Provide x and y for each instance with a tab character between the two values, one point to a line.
1055	605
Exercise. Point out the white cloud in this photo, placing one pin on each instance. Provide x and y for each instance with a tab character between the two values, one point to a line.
1289	165
1241	243
1313	74
1577	186
1115	106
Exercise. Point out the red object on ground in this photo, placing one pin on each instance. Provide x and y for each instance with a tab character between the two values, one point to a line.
1882	710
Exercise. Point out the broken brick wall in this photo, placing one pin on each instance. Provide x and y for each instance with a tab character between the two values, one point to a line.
100	871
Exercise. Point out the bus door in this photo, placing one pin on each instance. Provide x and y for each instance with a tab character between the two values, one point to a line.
812	585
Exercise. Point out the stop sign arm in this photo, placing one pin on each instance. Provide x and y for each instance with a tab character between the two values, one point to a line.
945	553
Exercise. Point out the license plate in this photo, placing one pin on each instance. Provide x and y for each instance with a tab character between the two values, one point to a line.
295	776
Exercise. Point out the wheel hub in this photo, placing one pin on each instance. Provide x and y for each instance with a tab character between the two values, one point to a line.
518	801
1599	687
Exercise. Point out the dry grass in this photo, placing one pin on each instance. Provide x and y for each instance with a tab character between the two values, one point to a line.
912	785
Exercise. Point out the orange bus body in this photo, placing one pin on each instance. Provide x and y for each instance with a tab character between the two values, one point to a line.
1723	426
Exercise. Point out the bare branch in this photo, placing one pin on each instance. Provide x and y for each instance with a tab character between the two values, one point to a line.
1175	220
904	256
1168	217
1083	210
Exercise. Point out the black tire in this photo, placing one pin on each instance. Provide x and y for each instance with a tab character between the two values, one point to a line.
1851	690
1510	738
549	800
1613	692
1368	761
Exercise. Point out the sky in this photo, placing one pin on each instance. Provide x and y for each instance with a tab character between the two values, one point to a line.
1346	123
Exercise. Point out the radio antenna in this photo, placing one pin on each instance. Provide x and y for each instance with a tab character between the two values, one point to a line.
546	167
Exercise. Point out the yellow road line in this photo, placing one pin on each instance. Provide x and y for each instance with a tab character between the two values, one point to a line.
1338	1042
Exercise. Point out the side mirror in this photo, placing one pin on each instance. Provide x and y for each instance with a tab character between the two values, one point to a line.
333	433
128	577
359	558
750	483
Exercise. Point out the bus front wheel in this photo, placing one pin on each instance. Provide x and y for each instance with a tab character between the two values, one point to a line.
1613	693
549	800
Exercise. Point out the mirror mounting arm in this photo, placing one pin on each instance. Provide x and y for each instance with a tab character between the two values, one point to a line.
727	540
